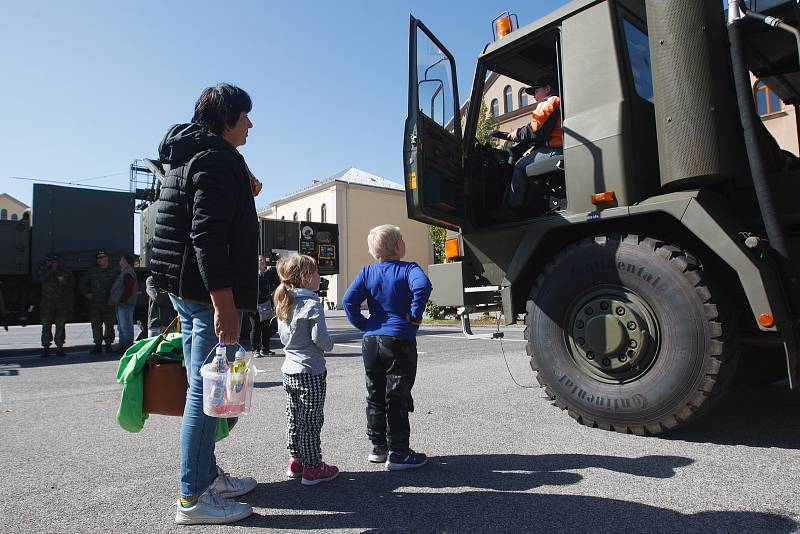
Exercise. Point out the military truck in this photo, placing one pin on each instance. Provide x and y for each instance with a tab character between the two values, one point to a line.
665	252
73	223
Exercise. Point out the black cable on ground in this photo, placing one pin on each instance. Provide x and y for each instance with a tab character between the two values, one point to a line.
505	359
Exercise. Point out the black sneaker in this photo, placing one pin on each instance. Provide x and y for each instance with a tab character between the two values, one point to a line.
60	351
96	350
109	348
378	454
45	352
409	459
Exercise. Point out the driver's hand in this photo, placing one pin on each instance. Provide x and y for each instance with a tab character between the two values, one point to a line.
512	136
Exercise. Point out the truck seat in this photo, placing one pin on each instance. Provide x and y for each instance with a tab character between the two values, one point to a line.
545	166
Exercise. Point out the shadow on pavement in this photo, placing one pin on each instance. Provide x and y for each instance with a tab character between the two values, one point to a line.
487	499
74	356
751	416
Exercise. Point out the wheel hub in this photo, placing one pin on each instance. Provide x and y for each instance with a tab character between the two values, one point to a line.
610	334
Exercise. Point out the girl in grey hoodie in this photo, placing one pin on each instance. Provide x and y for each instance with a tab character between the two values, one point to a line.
301	325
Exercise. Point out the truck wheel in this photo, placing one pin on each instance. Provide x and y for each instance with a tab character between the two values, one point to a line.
626	336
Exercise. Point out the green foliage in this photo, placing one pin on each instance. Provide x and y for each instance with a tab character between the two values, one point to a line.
486	123
437	236
432	310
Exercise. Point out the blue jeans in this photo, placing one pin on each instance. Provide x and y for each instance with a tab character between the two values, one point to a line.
125	325
519	180
198	464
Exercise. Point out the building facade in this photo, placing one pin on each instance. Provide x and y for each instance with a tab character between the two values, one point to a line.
11	209
356	201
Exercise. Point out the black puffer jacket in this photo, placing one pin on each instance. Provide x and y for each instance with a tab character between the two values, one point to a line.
206	234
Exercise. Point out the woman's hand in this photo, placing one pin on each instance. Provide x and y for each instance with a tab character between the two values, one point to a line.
226	316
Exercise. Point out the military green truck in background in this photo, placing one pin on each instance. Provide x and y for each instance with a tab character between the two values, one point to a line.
73	223
667	251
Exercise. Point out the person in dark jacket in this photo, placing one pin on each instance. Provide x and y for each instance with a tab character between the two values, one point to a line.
205	255
263	322
123	296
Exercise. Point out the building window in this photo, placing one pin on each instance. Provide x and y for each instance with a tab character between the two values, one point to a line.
294	217
494	109
323	213
767	101
523	98
508	100
308	215
13	216
3	214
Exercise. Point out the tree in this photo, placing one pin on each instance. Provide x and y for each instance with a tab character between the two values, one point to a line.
437	236
486	123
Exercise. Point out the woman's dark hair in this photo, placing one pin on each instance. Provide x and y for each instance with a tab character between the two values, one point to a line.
221	105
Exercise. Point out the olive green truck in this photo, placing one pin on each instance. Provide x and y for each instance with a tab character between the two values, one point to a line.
666	251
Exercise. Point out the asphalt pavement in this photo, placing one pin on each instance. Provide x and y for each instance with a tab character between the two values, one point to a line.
502	458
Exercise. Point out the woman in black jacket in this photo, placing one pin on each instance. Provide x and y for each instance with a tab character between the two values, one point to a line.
204	254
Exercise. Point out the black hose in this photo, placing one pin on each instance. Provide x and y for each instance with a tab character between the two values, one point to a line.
758	169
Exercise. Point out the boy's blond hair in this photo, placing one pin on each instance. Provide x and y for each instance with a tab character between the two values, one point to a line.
295	272
382	241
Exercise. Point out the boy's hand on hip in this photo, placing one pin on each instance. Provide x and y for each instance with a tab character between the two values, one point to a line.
412	321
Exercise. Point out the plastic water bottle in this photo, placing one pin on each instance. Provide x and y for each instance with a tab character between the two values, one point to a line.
216	397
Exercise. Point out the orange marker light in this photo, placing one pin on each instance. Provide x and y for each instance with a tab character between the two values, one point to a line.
502	26
605	197
451	249
766	320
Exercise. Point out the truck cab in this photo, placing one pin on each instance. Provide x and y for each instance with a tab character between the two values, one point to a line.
654	184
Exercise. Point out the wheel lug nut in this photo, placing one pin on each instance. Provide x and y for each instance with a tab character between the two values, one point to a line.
620	310
590	355
581	341
631	325
579	324
606	362
604	305
633	344
589	310
622	358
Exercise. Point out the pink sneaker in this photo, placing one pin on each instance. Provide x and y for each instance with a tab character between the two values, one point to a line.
294	469
322	473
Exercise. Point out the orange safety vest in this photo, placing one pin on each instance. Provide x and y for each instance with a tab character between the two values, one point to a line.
541	113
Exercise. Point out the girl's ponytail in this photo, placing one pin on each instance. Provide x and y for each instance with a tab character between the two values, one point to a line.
294	272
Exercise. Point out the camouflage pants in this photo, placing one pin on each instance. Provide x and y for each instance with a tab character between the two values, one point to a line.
54	313
100	317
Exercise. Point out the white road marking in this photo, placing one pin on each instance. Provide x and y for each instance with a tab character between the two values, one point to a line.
468	339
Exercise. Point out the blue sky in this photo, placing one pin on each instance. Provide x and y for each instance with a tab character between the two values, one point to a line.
89	86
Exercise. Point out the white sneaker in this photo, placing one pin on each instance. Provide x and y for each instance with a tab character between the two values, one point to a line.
212	508
257	354
228	487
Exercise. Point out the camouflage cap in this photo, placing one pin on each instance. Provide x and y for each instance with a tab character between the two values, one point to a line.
100	254
51	257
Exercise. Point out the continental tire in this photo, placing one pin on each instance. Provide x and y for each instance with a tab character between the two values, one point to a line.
625	335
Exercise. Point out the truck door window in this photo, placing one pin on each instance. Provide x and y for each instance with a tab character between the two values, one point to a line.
435	81
639	56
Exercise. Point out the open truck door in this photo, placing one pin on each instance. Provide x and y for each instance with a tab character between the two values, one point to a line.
432	147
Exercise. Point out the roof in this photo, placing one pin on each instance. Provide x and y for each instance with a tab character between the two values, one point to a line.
351	175
14	200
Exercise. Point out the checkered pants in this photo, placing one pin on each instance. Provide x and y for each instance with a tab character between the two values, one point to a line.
305	407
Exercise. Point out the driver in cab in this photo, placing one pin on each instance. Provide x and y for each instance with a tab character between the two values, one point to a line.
543	133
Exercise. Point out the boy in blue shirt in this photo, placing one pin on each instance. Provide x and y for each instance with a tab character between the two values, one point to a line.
396	293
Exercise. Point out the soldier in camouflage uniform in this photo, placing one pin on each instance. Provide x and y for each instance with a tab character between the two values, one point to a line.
96	287
56	304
